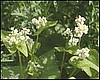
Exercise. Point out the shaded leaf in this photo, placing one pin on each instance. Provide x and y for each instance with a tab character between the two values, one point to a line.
94	56
50	69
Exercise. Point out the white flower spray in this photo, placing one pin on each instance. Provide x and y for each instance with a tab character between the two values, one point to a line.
15	37
41	21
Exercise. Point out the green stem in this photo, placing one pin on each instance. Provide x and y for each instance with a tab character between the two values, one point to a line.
37	38
20	62
64	55
62	62
79	43
72	73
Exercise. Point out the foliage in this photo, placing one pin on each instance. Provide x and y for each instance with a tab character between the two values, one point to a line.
47	51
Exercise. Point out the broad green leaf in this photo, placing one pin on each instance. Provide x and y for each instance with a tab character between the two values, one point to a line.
81	63
94	56
11	49
62	49
23	48
50	70
35	47
49	24
87	70
73	49
4	34
94	73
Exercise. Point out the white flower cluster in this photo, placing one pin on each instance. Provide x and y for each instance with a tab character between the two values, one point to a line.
34	64
67	32
82	28
73	41
84	52
33	67
15	37
39	22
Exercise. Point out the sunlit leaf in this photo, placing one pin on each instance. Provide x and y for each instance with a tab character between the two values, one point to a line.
49	24
23	48
83	63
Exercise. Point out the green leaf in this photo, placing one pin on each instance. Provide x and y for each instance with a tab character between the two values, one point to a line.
11	49
87	70
73	49
23	48
19	14
4	34
49	24
35	47
62	49
83	63
50	70
94	57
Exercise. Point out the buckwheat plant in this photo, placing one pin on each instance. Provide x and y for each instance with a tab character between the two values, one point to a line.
73	47
18	40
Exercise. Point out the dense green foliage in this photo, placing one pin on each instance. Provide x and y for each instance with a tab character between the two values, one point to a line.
49	45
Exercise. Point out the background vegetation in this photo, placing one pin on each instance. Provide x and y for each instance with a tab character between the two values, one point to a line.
19	14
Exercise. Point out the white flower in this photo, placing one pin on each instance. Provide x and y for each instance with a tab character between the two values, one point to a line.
15	31
83	52
35	21
84	28
41	21
12	28
78	32
26	31
16	42
73	41
13	39
44	19
67	32
80	20
22	37
20	33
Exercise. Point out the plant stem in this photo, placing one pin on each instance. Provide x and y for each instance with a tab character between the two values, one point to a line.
72	72
64	55
37	38
21	68
79	42
62	62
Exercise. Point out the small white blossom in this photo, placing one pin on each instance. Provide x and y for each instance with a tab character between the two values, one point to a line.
73	41
22	37
83	52
80	20
15	31
12	28
41	21
67	32
15	37
78	32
